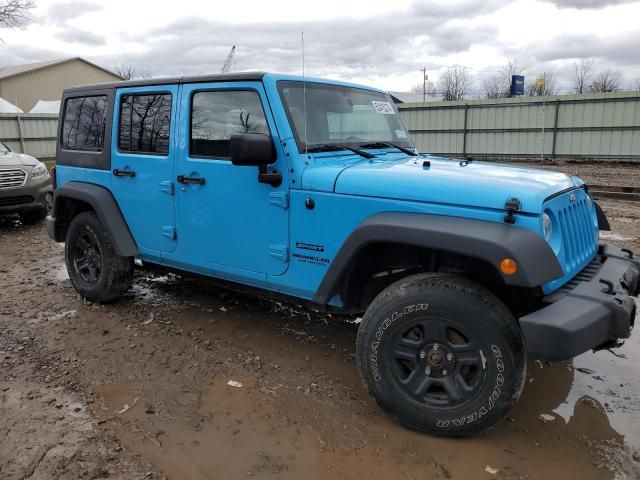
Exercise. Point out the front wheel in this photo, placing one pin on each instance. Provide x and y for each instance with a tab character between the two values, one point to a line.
97	272
442	355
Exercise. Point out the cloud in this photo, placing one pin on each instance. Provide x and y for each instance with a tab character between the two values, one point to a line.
613	48
21	54
387	50
60	13
588	4
460	38
76	35
345	48
456	9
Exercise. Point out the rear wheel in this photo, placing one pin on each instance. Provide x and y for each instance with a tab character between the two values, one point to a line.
442	355
95	270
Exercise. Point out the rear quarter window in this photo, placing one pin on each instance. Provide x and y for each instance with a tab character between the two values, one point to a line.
84	129
84	123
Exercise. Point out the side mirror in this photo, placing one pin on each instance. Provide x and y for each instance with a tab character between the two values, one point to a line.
251	149
255	149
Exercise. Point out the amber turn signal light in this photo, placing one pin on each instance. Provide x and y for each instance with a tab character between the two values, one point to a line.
508	266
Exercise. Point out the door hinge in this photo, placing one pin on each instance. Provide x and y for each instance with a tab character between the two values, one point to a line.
280	199
169	232
167	187
280	252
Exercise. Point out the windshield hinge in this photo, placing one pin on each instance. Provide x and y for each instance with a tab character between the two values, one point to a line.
466	161
511	206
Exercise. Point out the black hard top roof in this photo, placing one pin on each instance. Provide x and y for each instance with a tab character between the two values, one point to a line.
219	77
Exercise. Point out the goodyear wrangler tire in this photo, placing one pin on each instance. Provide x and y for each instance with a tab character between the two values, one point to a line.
95	270
442	355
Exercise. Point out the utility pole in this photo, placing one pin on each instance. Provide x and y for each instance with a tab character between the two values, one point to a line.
424	84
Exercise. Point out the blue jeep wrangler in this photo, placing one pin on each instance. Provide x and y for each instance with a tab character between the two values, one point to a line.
312	190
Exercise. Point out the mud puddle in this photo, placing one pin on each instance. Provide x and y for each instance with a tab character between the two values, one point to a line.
301	412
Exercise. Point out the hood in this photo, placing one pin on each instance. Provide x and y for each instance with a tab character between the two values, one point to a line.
443	181
13	159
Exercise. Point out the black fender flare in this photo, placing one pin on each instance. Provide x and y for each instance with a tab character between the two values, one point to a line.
488	241
603	221
105	207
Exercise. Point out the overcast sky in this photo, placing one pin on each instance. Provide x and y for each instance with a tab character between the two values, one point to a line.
381	43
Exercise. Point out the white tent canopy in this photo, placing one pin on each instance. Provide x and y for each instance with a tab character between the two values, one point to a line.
8	107
46	106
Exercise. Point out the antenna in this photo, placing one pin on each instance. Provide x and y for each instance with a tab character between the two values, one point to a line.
304	103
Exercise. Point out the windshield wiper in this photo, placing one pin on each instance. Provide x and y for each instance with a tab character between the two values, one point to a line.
333	146
389	144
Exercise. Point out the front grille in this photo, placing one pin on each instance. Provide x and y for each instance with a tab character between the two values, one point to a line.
587	274
13	201
14	177
578	233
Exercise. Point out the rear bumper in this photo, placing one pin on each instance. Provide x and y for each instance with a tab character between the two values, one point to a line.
594	313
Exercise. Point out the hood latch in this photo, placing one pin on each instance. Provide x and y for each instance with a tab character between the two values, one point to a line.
511	206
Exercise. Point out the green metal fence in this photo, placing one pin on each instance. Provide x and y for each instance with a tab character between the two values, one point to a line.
581	127
30	133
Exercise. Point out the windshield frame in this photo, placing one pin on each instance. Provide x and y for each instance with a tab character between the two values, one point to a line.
4	148
282	84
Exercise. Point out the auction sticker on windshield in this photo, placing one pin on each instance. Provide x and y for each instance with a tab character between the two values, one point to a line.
401	134
383	107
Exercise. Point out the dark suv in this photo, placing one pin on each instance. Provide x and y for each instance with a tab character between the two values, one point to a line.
25	186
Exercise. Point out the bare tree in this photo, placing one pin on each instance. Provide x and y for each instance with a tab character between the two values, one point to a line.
455	83
605	81
542	86
13	13
499	86
129	72
430	88
582	75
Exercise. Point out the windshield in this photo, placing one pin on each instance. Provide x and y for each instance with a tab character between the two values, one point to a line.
341	115
4	149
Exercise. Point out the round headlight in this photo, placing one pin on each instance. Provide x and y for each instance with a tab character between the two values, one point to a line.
547	226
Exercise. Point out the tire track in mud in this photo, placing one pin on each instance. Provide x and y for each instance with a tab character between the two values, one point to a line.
301	412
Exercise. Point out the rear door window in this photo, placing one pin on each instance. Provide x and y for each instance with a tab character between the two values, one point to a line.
145	122
84	121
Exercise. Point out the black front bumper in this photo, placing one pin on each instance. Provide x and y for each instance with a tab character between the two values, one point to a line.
594	313
26	203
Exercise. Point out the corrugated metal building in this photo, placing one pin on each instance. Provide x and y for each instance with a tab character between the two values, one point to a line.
24	85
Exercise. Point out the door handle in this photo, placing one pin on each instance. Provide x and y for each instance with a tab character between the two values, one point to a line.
124	173
191	180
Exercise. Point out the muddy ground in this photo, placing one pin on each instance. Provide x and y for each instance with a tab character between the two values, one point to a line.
138	389
596	173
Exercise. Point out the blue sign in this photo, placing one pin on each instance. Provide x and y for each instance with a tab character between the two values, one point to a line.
517	85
